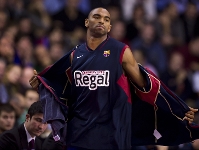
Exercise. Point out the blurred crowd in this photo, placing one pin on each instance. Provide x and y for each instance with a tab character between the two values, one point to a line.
163	36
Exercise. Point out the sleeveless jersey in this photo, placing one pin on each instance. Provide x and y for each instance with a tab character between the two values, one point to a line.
100	114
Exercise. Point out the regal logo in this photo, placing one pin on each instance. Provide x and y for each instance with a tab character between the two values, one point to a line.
92	78
107	53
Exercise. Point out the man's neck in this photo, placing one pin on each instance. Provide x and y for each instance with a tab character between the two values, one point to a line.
94	42
27	132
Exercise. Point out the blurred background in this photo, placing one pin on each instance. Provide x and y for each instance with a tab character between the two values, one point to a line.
163	36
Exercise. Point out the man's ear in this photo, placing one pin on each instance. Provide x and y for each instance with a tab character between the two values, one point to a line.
27	117
109	29
86	22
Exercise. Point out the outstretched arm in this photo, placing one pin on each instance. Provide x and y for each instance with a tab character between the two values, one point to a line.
131	68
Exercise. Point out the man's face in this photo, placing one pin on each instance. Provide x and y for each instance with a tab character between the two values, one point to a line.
35	126
31	97
7	120
98	22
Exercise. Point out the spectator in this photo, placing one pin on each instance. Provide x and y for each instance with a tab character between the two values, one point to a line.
190	21
3	21
30	97
7	117
25	27
6	50
170	27
142	59
176	77
42	57
190	53
26	135
39	15
70	16
134	25
115	12
151	47
27	73
18	103
11	79
118	31
56	51
24	51
129	5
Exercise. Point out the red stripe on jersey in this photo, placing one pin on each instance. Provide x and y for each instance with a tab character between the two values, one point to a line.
123	83
122	53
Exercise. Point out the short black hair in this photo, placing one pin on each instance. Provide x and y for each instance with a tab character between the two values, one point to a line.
94	9
7	108
35	108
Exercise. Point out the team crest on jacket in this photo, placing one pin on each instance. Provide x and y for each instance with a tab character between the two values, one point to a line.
92	78
107	53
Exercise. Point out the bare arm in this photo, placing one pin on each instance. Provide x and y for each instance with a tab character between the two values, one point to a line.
130	67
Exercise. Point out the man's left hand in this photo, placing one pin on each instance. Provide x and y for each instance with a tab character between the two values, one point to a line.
190	114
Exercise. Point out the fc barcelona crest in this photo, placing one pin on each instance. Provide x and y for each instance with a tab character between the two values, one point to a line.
107	53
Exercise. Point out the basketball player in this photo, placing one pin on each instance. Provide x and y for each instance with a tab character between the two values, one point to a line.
99	114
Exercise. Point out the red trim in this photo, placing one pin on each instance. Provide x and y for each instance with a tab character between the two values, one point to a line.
124	84
45	70
46	85
122	53
150	96
165	87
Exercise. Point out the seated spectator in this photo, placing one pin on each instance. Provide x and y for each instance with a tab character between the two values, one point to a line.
142	59
27	73
6	50
42	57
7	117
176	77
18	102
31	96
11	79
26	135
151	47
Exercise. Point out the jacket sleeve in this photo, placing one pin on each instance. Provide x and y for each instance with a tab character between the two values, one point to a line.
158	115
54	92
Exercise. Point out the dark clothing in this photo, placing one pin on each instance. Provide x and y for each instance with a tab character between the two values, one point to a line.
97	87
103	112
16	139
190	27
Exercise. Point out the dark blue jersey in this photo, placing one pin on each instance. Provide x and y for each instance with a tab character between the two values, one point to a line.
99	113
97	76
